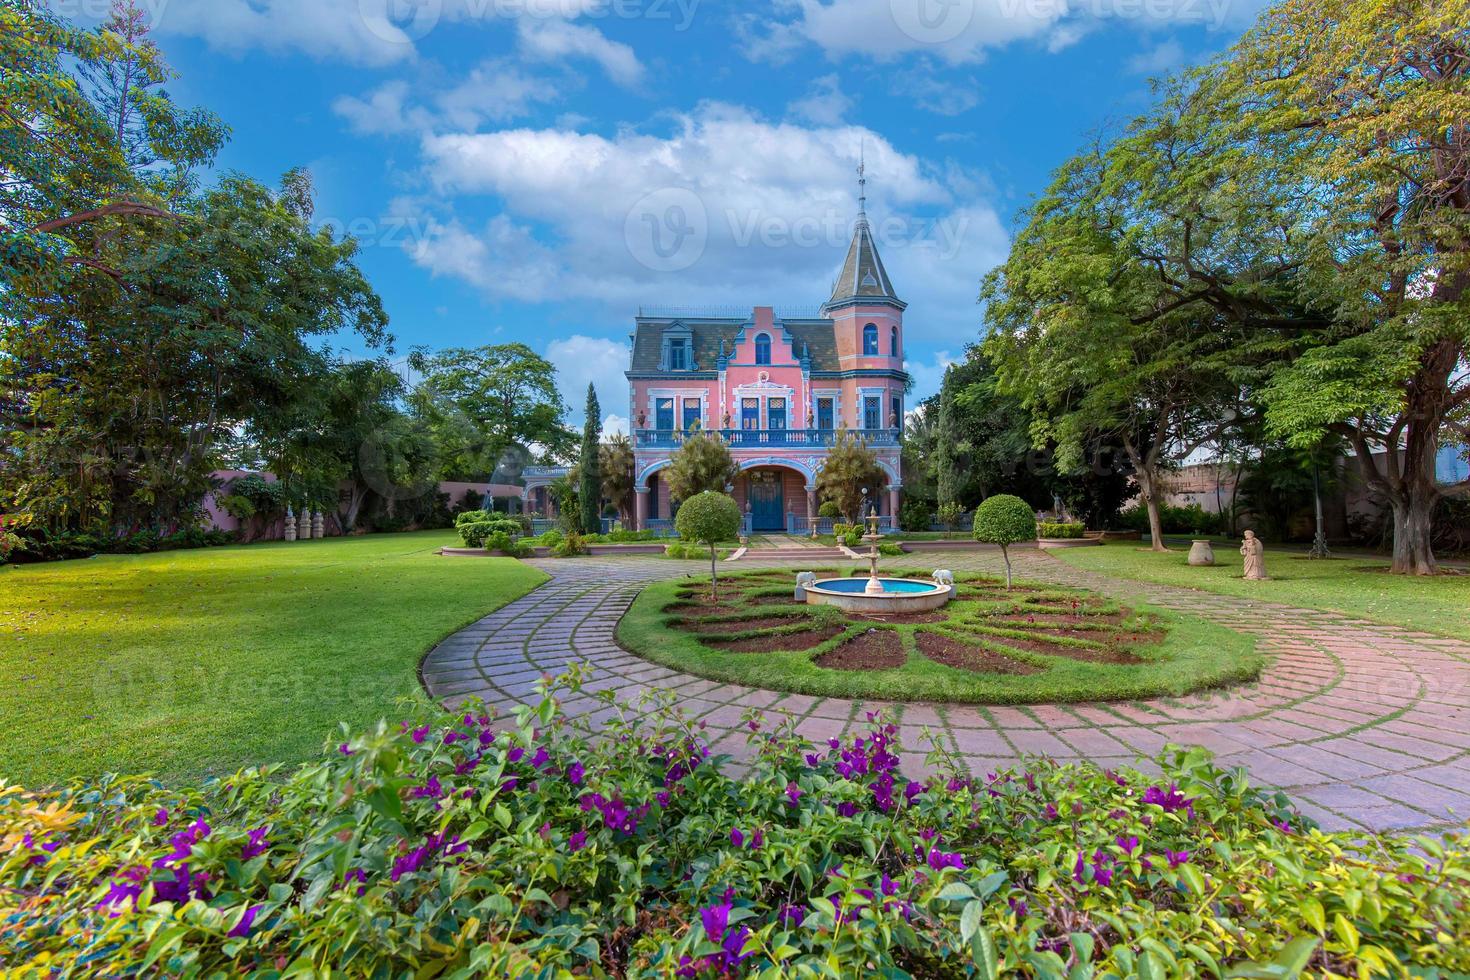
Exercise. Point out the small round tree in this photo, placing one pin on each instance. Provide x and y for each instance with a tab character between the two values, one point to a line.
1005	520
709	518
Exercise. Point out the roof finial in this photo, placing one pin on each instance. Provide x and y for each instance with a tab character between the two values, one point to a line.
862	177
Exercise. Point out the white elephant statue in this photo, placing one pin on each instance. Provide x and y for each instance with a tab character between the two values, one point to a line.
804	579
943	576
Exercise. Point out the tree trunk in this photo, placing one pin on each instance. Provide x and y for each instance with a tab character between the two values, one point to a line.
1006	554
1146	472
1413	526
714	576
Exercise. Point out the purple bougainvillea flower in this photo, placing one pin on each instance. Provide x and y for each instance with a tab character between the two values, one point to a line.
511	783
1282	826
160	818
1019	907
793	794
757	840
344	749
812	759
792	915
577	841
887	885
716	920
575	772
1176	858
847	809
256	844
419	734
664	798
1128	844
912	791
1079	870
486	737
736	837
1103	876
939	860
1051	811
514	755
540	758
1170	799
246	924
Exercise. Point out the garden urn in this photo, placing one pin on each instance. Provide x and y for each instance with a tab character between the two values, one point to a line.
318	525
290	528
1201	552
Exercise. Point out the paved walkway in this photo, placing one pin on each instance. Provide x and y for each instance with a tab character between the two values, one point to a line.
1365	725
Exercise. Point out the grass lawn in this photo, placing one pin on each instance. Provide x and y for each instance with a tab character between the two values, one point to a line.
1349	585
188	663
1038	644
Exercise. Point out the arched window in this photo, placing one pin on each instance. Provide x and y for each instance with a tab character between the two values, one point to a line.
893	342
870	340
763	349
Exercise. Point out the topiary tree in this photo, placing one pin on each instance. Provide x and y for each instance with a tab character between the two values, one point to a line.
703	463
709	518
1005	520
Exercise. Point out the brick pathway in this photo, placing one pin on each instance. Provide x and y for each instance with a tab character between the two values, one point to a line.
1364	725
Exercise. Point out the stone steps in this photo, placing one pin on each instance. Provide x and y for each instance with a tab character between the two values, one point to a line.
809	555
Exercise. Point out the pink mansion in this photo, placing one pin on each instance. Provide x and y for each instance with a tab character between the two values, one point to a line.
778	389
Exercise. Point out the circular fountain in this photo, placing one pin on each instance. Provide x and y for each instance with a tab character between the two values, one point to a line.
875	594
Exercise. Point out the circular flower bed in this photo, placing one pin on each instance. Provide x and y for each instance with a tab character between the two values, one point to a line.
1030	643
463	846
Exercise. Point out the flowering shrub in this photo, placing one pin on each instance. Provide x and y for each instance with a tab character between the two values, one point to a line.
463	846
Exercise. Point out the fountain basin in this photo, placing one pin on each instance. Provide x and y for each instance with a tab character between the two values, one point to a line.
899	595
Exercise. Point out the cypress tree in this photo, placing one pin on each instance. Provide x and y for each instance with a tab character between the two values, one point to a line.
591	489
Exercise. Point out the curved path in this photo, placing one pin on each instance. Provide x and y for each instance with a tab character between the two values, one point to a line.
1365	725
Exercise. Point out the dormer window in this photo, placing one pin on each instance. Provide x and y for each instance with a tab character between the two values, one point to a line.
870	340
677	350
763	349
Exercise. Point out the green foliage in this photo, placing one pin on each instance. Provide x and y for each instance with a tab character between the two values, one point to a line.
1005	520
571	546
890	550
701	464
481	402
687	551
464	837
615	462
915	514
507	544
1188	519
949	517
849	534
479	529
849	468
829	509
1058	529
590	463
708	518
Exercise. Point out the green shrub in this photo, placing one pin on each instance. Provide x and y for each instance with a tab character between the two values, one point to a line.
1059	529
829	509
849	534
474	532
571	546
915	514
465	845
890	550
1191	519
507	544
625	535
471	517
1005	520
949	517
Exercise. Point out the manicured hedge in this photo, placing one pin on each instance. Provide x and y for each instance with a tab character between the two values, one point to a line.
1057	529
463	846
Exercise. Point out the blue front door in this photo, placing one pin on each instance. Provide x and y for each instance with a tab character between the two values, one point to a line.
767	509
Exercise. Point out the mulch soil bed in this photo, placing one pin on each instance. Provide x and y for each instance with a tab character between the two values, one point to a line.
955	653
803	640
874	650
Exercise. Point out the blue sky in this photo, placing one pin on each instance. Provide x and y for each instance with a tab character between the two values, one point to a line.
507	163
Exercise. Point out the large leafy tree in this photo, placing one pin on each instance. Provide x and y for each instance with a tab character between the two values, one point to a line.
483	401
1362	108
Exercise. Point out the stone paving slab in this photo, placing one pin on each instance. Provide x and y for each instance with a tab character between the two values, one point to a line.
1366	726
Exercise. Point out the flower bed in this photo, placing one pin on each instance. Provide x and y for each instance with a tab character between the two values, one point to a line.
461	846
1033	644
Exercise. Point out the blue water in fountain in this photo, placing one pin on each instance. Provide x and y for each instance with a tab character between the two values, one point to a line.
893	585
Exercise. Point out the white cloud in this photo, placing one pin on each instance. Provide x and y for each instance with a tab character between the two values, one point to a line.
824	104
615	425
581	360
558	40
938	93
928	376
1159	60
728	209
962	31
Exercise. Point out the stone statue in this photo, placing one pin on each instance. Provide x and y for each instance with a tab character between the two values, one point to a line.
804	579
1254	554
726	422
303	529
290	527
642	420
318	525
943	576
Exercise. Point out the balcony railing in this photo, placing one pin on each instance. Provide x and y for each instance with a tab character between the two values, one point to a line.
764	438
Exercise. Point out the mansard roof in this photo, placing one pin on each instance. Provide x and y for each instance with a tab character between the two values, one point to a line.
814	335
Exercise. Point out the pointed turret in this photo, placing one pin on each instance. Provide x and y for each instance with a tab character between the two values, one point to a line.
863	276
